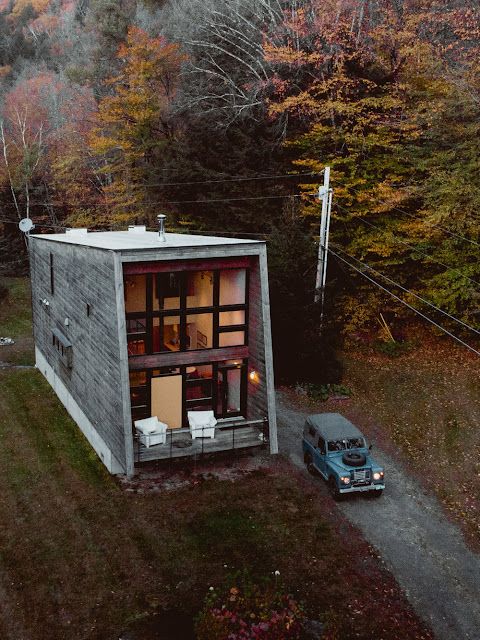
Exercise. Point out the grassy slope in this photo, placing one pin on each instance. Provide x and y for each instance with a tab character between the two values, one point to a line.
16	322
80	556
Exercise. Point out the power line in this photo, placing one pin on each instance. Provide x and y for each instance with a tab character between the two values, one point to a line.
235	179
429	224
230	233
393	295
430	304
18	261
207	231
410	246
37	223
164	202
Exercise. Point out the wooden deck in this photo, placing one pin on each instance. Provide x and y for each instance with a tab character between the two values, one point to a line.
180	444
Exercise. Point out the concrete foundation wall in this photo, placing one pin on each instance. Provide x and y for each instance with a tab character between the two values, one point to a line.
101	447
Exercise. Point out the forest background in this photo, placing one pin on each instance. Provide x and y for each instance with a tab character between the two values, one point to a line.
223	114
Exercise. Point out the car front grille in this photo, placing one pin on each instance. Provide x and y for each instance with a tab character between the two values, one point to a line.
361	476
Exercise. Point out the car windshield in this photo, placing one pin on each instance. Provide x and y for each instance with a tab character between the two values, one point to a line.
346	443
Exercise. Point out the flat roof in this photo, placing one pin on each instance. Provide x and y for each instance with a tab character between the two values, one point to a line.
139	240
334	426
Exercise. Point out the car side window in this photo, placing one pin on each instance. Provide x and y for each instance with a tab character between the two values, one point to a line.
312	432
321	446
336	445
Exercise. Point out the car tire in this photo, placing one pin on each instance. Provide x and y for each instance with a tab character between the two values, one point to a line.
376	494
354	459
334	490
307	458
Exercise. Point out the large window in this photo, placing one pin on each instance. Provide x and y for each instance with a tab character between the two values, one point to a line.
186	311
170	392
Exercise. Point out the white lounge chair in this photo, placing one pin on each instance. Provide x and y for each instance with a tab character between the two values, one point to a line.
151	431
202	424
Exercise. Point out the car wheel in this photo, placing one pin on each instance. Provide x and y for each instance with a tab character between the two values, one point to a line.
334	490
307	458
376	494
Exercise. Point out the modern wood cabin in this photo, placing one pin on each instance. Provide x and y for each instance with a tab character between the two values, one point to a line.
132	324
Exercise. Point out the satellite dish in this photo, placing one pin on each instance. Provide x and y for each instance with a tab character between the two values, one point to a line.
26	225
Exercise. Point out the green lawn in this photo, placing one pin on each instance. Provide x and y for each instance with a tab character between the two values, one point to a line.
16	321
82	557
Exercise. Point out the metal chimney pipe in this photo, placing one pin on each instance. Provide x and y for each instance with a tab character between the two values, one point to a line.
161	227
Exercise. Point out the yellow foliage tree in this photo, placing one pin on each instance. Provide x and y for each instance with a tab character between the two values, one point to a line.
39	6
134	123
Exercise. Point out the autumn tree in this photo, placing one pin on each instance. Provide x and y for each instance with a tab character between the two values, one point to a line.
358	81
42	119
134	125
23	129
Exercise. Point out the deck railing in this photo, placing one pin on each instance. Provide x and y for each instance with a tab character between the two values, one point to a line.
229	436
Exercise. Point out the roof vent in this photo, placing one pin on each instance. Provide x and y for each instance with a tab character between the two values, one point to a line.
75	232
161	227
140	228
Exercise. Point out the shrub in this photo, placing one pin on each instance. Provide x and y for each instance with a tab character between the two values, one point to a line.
247	611
321	393
393	349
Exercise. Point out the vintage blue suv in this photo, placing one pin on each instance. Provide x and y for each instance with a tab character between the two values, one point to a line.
337	450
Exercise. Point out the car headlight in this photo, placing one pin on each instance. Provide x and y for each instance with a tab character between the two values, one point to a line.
345	479
378	475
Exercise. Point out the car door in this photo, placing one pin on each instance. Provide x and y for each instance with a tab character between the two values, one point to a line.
320	456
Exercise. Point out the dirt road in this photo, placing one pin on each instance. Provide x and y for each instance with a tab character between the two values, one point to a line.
425	552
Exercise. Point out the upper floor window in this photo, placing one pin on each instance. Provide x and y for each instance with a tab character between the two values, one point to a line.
135	291
181	311
166	291
232	286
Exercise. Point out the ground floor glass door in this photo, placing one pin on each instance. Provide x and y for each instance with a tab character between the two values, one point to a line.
231	390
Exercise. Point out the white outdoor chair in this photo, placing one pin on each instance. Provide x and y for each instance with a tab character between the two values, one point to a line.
202	424
151	431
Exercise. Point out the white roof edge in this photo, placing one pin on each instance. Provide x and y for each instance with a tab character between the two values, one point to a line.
141	241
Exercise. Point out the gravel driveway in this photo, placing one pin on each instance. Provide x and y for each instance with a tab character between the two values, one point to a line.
425	552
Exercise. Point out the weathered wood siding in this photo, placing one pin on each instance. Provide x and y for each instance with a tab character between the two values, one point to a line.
257	389
268	350
261	390
82	276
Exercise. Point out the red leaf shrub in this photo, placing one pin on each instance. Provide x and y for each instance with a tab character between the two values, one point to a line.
250	612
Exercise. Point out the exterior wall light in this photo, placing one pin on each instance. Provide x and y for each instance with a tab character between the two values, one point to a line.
253	376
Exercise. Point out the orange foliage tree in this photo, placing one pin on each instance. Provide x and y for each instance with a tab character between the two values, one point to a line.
134	124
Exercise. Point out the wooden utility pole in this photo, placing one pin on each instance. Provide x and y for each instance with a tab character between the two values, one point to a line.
325	195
